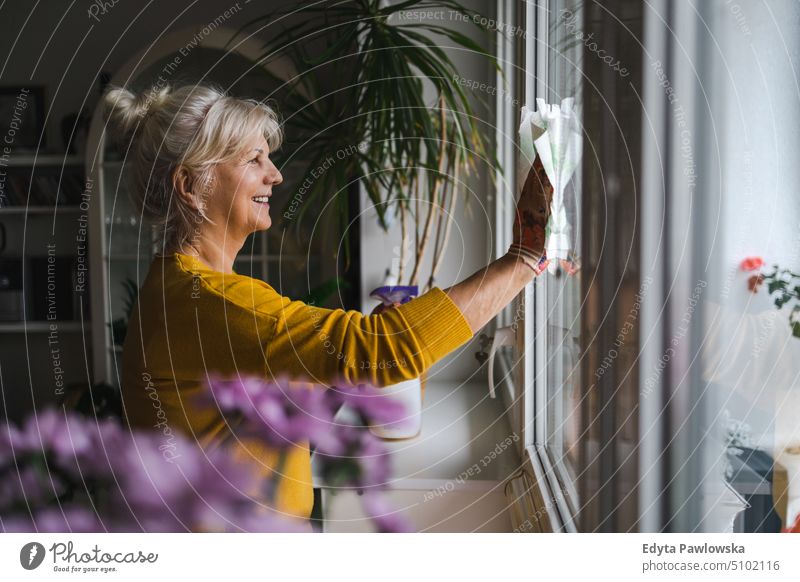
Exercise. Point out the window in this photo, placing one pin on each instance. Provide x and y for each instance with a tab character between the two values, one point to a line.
556	307
543	372
654	391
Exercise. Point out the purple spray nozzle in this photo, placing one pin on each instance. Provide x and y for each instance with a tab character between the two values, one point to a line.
391	294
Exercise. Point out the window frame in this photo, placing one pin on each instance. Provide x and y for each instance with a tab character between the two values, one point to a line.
525	71
557	477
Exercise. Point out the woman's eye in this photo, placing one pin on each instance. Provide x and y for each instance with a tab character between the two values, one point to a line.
253	161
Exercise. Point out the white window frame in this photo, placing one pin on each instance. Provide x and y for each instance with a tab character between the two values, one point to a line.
527	368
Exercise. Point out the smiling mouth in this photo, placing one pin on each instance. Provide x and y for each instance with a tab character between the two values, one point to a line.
261	200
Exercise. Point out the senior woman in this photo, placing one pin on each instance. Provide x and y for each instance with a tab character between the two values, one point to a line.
203	174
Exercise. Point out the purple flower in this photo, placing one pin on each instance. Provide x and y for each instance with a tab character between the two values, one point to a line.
55	430
136	487
383	515
63	472
280	414
257	520
192	490
28	485
363	463
66	439
145	476
54	520
10	441
375	406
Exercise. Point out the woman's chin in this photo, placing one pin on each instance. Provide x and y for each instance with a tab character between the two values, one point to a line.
262	222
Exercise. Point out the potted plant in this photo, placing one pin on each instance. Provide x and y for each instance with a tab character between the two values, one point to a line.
376	127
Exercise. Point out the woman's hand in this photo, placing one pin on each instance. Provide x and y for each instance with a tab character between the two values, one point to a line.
530	218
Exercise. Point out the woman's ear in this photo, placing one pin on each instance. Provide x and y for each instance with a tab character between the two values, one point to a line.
183	184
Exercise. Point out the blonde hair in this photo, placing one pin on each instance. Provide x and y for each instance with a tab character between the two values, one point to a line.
193	127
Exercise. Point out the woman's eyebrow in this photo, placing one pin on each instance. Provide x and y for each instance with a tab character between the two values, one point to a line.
247	153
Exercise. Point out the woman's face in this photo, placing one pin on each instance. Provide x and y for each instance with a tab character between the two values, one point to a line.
238	199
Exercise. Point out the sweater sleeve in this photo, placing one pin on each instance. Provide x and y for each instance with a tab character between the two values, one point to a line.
329	345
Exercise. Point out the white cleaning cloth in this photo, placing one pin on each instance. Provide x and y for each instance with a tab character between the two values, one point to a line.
554	132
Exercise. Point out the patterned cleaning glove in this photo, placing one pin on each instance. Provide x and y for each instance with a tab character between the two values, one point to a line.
530	218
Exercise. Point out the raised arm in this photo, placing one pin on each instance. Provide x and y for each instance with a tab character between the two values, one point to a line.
328	345
484	294
401	343
488	291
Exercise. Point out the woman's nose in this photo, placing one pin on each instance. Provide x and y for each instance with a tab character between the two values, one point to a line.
273	175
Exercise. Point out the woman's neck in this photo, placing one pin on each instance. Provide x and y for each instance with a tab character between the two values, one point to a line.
217	257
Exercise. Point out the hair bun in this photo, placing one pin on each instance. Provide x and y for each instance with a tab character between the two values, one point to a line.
127	112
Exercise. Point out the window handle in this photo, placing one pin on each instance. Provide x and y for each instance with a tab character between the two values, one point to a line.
503	336
481	354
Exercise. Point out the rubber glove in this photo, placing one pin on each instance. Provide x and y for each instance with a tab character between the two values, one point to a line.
530	218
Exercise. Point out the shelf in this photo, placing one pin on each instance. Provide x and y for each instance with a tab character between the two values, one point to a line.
45	160
43	326
39	209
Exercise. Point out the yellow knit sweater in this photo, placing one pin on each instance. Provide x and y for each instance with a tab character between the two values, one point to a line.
192	322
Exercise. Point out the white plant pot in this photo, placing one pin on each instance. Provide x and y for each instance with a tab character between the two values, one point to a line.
409	393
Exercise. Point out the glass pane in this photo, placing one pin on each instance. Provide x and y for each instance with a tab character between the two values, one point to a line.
562	285
298	223
745	399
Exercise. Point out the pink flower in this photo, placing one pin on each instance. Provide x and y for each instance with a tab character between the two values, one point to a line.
751	264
